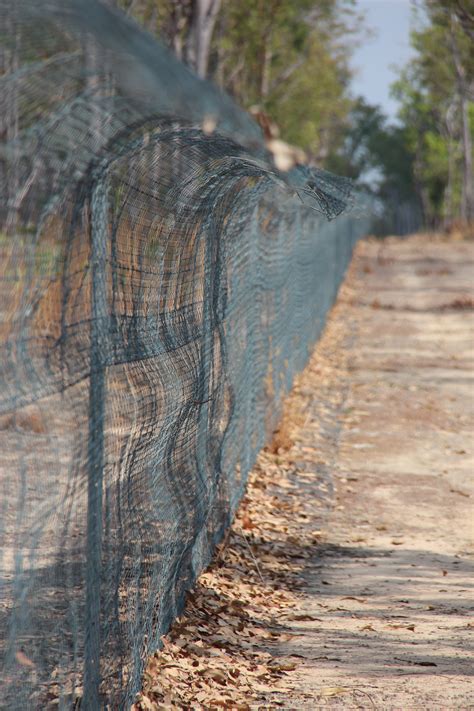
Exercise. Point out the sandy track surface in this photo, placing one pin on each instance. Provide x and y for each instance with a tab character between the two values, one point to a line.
392	585
347	578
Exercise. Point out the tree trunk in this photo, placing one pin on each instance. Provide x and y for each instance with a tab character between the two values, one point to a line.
448	207
198	43
266	63
467	198
467	201
423	197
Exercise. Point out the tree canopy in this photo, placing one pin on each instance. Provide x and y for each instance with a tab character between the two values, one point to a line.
291	60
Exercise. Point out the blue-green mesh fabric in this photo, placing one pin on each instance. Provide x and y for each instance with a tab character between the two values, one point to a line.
160	285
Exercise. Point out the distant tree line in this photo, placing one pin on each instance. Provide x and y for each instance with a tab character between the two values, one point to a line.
290	61
291	58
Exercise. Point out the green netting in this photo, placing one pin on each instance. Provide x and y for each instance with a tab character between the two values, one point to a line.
160	286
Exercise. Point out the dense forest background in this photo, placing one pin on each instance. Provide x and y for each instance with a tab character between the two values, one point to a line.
289	62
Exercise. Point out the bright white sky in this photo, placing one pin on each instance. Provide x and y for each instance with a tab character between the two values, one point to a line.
374	60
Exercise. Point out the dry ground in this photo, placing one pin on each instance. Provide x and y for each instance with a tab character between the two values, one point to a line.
346	581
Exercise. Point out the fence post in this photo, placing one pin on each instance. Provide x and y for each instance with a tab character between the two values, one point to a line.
98	363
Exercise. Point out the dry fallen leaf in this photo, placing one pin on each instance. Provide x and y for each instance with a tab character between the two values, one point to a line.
401	627
328	691
351	597
22	659
303	617
247	522
283	666
461	493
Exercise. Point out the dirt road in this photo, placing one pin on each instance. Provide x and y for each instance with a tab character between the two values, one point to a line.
347	578
392	586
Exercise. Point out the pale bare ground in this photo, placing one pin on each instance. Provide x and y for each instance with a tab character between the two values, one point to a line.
346	579
390	590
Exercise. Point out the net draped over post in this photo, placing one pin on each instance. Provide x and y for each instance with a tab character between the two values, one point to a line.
160	287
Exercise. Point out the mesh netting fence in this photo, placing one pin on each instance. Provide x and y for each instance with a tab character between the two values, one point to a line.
160	284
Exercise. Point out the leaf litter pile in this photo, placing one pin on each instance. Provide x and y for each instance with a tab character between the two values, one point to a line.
223	652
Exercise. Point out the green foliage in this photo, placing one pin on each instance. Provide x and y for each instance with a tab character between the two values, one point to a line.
291	58
288	57
379	156
312	108
376	153
436	95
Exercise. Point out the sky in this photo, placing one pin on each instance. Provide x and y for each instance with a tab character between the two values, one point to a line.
389	45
